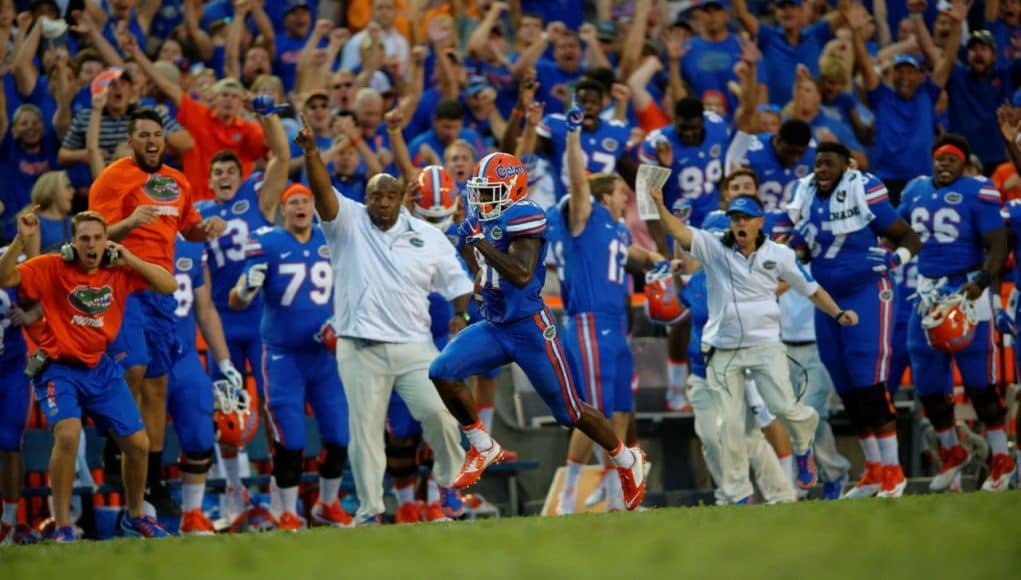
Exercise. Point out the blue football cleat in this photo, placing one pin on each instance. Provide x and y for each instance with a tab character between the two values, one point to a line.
834	489
143	527
807	476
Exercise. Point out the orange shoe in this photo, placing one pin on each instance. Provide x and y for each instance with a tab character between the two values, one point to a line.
870	484
632	480
1000	472
331	515
434	513
475	462
195	523
893	482
509	455
290	522
408	513
954	460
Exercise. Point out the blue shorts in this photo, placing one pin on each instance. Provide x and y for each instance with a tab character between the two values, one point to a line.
190	403
931	370
291	380
899	360
245	346
474	317
15	402
601	359
399	421
148	334
532	342
858	357
64	392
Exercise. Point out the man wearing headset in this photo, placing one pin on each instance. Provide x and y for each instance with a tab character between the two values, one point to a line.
743	271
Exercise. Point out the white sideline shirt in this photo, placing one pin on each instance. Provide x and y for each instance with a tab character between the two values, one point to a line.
382	280
743	309
797	315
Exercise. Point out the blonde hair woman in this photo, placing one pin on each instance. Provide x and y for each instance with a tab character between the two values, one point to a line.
53	195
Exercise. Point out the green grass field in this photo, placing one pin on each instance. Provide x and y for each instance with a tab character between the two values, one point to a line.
963	536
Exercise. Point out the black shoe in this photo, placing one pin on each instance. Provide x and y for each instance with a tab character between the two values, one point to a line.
112	464
158	495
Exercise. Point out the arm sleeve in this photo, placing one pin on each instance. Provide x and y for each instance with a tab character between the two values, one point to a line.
254	253
544	129
795	274
34	274
647	152
705	247
75	136
342	222
527	224
987	208
878	199
738	150
191	114
103	198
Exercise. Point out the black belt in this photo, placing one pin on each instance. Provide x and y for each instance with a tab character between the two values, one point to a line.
71	362
799	342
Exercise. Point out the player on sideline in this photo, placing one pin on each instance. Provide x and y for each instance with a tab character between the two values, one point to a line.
964	245
190	390
592	248
508	234
15	402
247	206
291	265
146	204
82	292
839	213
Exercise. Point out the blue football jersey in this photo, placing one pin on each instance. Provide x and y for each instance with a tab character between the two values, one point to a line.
951	222
226	254
691	187
189	259
775	180
840	263
298	292
905	282
694	295
502	301
602	147
591	265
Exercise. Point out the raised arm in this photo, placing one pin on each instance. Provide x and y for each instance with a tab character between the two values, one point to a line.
631	53
992	11
25	72
97	159
862	61
1010	130
27	236
318	177
526	94
86	26
673	226
744	16
480	36
264	25
275	177
232	44
941	75
398	147
165	85
580	206
530	55
192	24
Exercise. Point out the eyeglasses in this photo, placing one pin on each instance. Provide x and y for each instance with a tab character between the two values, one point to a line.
343	85
769	108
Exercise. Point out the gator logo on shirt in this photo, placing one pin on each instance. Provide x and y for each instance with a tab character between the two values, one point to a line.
496	233
91	301
239	207
769	264
162	188
184	264
953	198
324	252
550	332
609	145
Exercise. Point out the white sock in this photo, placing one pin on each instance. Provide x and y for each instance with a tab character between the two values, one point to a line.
432	491
243	463
478	436
948	438
405	494
622	456
573	473
614	493
329	488
677	375
275	503
289	499
997	440
10	513
888	448
191	496
787	463
486	416
870	448
232	471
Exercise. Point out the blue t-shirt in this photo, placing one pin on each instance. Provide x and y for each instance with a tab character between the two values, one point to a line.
972	108
904	131
503	302
549	76
951	222
1008	41
690	191
840	263
53	233
781	58
710	66
298	293
432	140
189	263
590	265
601	147
20	172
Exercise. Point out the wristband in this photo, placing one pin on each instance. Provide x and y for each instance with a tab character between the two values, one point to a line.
464	315
389	131
983	279
840	315
903	255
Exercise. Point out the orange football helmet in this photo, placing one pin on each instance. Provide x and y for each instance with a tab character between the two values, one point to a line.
662	304
235	413
436	198
498	181
950	324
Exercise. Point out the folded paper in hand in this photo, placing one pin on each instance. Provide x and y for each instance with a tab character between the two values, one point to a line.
650	178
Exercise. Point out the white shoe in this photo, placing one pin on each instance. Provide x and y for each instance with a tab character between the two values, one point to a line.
568	500
632	480
598	495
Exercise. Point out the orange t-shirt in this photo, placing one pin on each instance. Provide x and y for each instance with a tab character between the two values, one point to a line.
123	186
211	136
1005	178
83	312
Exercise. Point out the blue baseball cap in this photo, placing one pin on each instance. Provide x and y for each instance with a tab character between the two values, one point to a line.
794	2
906	59
703	4
216	13
747	206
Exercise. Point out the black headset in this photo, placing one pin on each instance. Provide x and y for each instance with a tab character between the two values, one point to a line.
70	254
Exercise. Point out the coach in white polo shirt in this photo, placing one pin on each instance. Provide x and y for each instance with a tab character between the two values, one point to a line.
385	264
743	271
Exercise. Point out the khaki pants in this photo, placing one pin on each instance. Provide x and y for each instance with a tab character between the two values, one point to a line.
370	374
770	476
813	387
767	366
